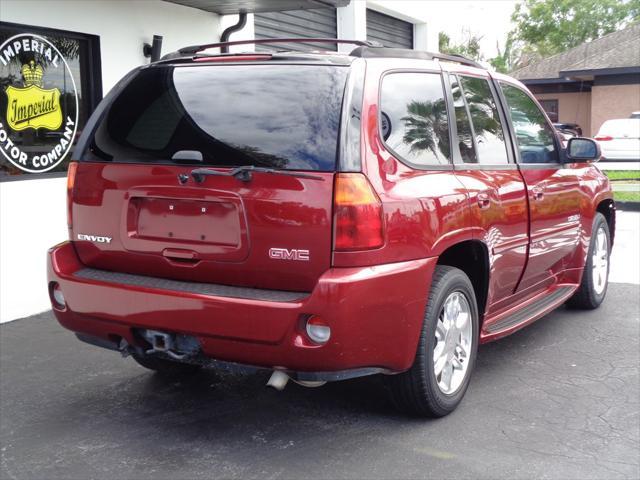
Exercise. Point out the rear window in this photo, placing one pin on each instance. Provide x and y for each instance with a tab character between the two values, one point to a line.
277	116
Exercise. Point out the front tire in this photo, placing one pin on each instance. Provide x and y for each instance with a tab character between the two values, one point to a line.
446	355
595	278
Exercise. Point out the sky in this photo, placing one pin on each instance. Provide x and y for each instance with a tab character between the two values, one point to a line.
489	19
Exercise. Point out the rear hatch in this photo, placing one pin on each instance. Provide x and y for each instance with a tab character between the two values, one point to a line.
213	173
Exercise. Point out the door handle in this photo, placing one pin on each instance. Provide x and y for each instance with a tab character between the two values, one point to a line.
537	193
483	200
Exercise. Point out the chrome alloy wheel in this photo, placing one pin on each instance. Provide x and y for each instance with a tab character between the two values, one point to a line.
600	261
453	347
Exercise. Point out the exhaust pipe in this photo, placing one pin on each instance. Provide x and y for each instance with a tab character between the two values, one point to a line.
278	380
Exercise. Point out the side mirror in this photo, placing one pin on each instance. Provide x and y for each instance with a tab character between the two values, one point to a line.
582	150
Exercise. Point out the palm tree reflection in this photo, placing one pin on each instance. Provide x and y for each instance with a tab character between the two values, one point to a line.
426	127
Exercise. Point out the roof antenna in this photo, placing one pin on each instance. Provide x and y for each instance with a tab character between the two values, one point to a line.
242	21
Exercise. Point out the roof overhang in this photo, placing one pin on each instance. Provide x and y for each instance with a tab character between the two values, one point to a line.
545	81
591	74
228	7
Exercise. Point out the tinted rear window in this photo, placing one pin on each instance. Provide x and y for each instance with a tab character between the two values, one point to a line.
280	116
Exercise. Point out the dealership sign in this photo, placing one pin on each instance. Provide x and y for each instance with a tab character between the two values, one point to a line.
42	102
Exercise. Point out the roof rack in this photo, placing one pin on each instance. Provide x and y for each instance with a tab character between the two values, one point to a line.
365	52
193	49
365	49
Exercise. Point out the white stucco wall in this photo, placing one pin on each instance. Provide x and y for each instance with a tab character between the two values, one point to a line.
123	26
33	212
32	219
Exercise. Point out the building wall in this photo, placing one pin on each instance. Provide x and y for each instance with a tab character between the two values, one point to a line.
33	212
572	108
613	101
122	26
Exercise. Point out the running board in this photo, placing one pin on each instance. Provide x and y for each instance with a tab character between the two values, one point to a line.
536	309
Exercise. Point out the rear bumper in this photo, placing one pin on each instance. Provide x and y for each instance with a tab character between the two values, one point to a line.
375	314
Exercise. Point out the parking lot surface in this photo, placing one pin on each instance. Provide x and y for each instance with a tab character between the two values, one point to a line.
559	399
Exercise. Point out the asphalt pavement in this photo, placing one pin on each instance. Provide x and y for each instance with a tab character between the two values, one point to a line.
560	399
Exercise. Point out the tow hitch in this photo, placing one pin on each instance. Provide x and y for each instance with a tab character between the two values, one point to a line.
176	346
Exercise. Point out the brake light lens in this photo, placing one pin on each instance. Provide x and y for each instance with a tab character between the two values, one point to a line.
358	219
603	138
71	181
233	58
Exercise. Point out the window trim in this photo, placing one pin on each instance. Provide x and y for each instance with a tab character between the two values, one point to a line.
516	149
441	167
349	148
92	86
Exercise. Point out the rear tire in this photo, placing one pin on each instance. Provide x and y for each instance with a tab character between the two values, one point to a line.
164	366
421	390
595	278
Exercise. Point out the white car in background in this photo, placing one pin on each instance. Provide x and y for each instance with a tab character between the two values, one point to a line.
619	139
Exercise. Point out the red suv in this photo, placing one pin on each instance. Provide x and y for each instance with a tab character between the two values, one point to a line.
326	216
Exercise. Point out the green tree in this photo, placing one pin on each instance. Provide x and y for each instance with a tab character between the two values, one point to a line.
547	27
506	59
470	46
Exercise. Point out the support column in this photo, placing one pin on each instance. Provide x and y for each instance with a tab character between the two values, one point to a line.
352	23
425	37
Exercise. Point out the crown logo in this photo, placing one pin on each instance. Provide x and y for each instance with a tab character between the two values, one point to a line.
32	74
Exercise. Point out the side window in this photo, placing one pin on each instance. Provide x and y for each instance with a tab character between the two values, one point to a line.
534	135
487	129
465	135
413	119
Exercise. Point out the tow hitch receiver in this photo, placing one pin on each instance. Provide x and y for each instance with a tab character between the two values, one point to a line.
176	346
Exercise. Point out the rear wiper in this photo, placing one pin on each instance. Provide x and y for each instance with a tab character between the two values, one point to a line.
244	173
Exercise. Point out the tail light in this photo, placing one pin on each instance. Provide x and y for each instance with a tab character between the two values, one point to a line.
233	58
71	180
603	138
358	220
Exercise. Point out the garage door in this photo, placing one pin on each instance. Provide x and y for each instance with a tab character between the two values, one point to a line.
389	31
297	24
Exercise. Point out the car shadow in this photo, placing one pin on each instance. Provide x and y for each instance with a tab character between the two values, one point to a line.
221	408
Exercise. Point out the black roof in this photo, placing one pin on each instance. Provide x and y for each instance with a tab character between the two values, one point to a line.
615	52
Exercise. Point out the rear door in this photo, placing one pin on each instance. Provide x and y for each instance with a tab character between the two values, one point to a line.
552	188
496	190
138	206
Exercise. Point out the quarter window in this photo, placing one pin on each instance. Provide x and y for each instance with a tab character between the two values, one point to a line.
413	121
534	135
487	129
